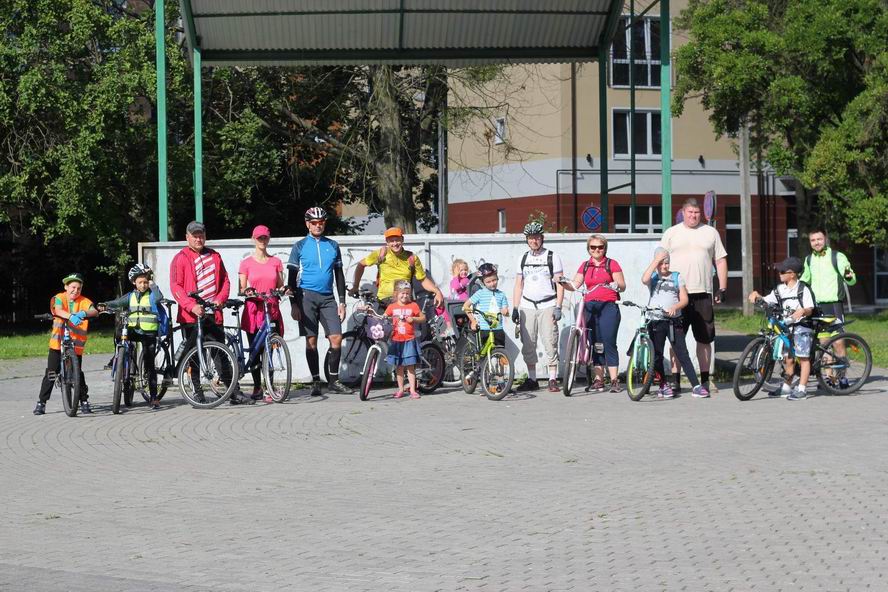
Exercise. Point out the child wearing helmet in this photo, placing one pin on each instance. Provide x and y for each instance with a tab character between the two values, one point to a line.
73	308
145	320
403	350
488	300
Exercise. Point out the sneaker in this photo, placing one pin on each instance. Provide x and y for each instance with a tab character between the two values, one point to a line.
316	388
338	387
527	386
268	399
616	387
239	398
40	409
597	386
553	386
414	395
84	407
797	395
257	395
676	388
700	392
665	392
399	394
844	384
154	404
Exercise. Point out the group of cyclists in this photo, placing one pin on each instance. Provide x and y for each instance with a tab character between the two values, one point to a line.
679	278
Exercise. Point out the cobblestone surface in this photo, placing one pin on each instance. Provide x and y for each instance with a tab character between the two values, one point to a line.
451	492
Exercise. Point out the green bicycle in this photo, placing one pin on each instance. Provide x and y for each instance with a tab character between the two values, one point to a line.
486	361
640	372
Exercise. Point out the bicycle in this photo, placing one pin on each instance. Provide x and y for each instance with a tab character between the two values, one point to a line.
364	345
164	358
837	375
208	361
127	367
450	340
578	351
640	371
269	349
486	361
68	376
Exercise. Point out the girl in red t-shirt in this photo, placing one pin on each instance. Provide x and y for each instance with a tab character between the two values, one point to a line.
403	351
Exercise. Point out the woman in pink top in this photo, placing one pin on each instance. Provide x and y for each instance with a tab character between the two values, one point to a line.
600	308
260	272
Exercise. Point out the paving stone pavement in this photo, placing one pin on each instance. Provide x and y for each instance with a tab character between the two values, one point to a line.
450	493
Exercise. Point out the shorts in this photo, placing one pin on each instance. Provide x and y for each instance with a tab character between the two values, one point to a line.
403	353
832	309
802	338
699	316
319	307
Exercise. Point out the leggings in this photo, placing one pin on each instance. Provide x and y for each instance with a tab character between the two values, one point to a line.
602	324
659	331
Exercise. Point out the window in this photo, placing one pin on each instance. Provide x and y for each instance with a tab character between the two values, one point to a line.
501	220
647	219
646	40
646	132
499	130
734	241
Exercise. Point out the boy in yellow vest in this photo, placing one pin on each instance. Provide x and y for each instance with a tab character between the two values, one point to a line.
144	321
73	308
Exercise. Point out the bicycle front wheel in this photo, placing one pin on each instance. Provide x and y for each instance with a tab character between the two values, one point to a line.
572	361
129	380
210	385
497	374
276	369
753	368
845	362
467	359
70	382
640	373
118	365
452	373
430	370
369	373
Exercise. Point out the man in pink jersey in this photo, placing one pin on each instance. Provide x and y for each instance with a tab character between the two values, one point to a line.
197	268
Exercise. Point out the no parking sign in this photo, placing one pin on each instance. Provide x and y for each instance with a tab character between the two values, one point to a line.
592	218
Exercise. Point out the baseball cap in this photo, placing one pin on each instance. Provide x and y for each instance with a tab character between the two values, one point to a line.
195	227
72	277
790	264
261	230
393	232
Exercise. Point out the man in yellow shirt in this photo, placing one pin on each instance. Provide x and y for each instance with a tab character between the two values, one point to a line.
395	263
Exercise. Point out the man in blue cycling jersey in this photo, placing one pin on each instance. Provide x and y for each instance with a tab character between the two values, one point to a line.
315	261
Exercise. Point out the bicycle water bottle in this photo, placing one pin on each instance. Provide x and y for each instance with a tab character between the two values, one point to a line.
179	351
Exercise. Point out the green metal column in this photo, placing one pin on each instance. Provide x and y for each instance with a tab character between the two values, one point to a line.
160	64
198	137
602	133
666	113
632	193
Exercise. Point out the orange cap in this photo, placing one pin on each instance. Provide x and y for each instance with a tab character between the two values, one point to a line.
393	232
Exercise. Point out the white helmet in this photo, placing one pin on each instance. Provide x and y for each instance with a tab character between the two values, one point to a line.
139	269
315	213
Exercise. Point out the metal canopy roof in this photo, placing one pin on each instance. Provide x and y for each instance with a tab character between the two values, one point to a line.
446	32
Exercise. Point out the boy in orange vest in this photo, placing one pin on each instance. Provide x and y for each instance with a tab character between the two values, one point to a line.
71	307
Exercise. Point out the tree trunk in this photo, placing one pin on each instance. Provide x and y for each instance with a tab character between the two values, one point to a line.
389	159
804	202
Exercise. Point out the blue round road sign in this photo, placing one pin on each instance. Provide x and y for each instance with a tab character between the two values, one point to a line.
592	218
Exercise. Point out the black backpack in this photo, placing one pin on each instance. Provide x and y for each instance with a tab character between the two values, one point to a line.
801	292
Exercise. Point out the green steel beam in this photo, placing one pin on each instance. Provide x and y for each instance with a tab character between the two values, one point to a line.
632	192
160	64
188	22
399	11
665	114
395	56
198	136
602	134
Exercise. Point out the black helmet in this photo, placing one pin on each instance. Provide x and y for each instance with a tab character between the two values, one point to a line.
486	270
137	270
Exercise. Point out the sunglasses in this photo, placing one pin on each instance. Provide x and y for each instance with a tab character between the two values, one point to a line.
596	247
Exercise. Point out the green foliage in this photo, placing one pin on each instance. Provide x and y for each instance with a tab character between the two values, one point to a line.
805	74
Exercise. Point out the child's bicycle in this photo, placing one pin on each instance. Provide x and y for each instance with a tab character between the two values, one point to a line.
578	351
67	378
486	361
269	349
127	366
836	374
640	372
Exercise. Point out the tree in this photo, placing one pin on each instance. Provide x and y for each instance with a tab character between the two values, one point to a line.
789	67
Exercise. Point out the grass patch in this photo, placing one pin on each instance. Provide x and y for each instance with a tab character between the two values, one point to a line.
31	344
870	327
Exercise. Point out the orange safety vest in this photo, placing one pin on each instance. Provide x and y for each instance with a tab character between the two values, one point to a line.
78	333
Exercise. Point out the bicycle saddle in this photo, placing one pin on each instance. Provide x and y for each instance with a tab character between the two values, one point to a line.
233	303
